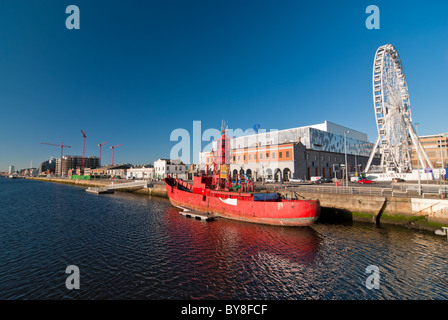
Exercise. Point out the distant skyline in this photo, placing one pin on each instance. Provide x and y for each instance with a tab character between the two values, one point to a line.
136	71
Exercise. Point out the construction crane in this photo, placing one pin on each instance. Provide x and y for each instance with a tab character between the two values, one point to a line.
100	145
83	148
113	149
62	149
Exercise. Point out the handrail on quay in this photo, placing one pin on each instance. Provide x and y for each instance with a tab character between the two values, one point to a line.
395	190
343	189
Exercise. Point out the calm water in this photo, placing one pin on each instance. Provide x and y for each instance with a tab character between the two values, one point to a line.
134	247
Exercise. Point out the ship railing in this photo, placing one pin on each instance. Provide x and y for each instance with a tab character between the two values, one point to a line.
246	184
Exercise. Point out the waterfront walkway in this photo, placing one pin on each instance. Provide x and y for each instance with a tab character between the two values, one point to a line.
109	188
385	189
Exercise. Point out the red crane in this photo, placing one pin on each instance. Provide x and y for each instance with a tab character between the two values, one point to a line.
62	148
113	149
100	149
83	148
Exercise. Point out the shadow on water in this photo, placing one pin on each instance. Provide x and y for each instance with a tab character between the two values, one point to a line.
335	216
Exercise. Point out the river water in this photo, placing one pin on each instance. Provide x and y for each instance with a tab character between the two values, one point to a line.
135	247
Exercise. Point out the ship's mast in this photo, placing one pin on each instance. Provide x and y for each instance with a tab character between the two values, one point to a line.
221	161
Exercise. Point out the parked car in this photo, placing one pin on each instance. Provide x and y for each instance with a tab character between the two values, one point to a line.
398	180
295	180
365	181
270	180
321	180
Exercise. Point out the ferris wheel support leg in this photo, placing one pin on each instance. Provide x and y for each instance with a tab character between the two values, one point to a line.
420	151
372	154
417	150
426	156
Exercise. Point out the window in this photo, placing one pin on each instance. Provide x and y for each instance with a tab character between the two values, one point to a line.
233	158
244	157
312	164
273	155
261	156
255	156
279	155
239	158
249	157
315	157
287	154
267	155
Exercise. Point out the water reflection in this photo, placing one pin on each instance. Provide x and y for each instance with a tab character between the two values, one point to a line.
238	258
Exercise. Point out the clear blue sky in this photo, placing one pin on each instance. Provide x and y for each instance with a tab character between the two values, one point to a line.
137	70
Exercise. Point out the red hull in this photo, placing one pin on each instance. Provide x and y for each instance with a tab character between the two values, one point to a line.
243	206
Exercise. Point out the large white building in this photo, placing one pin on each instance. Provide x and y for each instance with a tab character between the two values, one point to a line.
303	152
165	167
140	173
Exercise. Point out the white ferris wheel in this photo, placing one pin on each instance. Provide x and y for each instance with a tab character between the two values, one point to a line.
396	136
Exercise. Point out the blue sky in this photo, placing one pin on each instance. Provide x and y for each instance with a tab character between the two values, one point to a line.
137	70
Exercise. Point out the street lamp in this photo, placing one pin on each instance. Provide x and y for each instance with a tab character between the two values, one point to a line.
345	151
418	162
441	160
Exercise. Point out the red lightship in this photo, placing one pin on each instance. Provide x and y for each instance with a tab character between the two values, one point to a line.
215	195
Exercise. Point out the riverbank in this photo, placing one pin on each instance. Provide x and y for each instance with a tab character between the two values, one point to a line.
157	189
413	213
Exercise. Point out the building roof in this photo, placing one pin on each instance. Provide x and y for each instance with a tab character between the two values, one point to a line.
172	161
438	135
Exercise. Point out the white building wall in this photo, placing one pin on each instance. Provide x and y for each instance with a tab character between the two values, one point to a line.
164	167
140	173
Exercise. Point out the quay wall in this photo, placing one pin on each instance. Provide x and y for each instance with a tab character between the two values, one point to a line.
419	213
158	189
